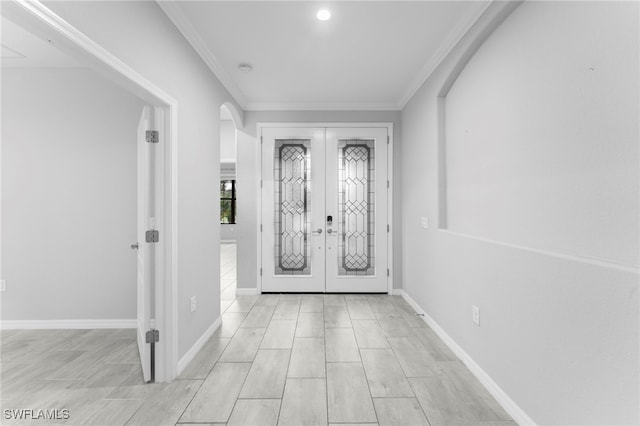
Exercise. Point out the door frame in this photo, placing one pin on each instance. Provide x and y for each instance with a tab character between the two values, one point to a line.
390	234
40	20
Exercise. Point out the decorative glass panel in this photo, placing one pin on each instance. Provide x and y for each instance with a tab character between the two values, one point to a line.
292	206
356	201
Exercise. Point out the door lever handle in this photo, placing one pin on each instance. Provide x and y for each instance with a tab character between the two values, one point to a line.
329	231
134	246
319	231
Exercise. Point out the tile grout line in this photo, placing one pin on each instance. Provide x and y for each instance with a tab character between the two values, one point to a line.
367	378
286	373
244	381
326	364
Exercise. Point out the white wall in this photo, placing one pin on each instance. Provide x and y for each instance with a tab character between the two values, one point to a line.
149	43
247	178
227	141
69	196
572	165
542	205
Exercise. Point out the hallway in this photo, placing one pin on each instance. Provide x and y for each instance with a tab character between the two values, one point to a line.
318	359
277	359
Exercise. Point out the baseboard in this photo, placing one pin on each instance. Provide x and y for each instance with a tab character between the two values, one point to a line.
247	292
191	353
397	292
492	387
68	324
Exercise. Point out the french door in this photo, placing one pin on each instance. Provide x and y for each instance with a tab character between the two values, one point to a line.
324	210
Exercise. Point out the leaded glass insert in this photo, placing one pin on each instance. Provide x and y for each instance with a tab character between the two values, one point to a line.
356	202
292	202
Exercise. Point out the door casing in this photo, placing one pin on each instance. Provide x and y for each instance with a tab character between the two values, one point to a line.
387	125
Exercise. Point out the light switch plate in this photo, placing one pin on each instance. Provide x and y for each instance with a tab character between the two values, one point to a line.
424	222
193	303
475	315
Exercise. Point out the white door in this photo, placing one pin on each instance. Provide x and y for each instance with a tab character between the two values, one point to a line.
144	185
293	243
356	200
324	210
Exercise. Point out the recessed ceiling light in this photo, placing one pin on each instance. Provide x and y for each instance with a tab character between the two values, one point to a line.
323	15
245	67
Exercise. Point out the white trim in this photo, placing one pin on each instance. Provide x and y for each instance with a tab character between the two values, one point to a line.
193	37
370	124
373	124
228	241
39	18
492	387
590	261
198	345
397	292
67	324
322	106
247	291
390	220
258	187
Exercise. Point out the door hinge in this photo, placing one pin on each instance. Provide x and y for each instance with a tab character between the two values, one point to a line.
152	136
388	227
260	271
260	227
152	236
153	336
260	183
388	183
387	271
387	139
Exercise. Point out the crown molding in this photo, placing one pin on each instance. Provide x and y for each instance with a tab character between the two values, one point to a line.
193	37
182	23
453	38
322	106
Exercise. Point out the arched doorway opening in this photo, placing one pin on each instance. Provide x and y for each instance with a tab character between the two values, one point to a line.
229	122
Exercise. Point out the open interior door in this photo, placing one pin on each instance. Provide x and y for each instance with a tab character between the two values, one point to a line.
144	251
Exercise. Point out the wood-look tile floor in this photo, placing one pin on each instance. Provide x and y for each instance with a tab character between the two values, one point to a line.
276	360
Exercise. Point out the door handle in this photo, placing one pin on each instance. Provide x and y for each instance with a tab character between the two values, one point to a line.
319	231
134	246
329	231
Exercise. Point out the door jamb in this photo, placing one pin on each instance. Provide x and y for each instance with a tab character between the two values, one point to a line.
388	126
39	19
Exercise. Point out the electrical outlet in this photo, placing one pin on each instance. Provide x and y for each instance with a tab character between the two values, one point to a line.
193	303
475	315
3	285
424	222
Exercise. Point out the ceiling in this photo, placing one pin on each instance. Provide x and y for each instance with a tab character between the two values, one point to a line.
22	49
371	55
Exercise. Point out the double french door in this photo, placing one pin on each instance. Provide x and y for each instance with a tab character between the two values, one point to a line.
324	210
